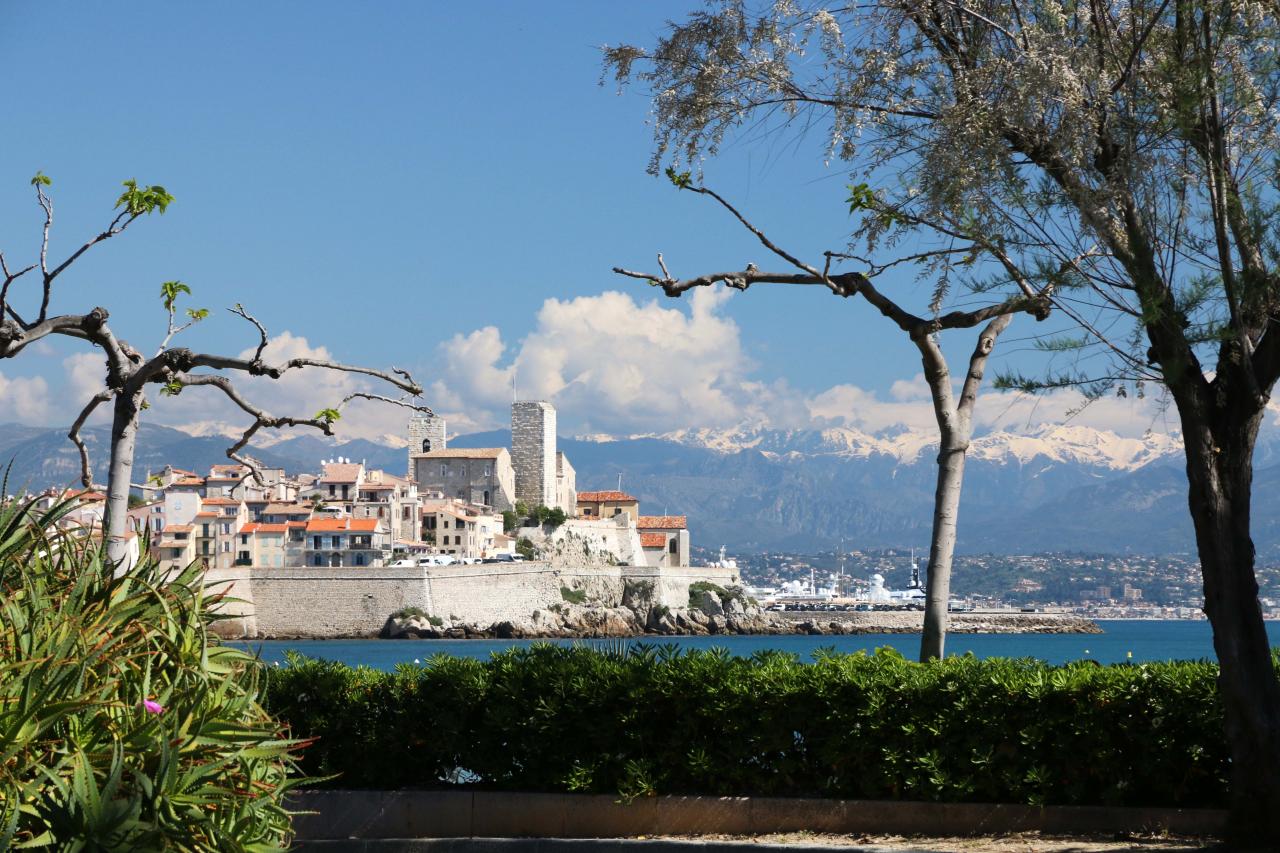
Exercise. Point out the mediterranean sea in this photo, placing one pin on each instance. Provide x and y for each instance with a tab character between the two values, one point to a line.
1145	640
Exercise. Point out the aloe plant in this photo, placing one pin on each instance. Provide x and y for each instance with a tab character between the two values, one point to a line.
123	724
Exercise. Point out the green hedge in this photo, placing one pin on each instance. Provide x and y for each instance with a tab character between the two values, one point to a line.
656	721
645	721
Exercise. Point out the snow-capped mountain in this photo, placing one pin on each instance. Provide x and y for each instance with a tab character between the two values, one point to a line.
1067	444
1042	489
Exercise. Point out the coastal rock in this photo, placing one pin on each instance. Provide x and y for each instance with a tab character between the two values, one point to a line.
708	603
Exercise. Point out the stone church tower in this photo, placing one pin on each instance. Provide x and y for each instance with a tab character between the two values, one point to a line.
426	433
533	451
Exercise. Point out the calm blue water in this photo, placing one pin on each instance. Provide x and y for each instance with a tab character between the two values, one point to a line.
1147	640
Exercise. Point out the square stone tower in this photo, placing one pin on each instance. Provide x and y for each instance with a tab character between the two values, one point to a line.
426	433
533	451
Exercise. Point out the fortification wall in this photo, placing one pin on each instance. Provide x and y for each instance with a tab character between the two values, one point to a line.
348	602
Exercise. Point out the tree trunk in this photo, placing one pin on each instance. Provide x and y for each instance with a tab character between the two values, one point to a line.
124	435
942	546
955	428
1220	474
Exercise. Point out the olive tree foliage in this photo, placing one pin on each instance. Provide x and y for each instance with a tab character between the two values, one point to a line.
168	369
1127	148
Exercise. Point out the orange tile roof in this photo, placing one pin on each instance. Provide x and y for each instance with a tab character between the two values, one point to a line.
84	495
260	527
653	540
377	487
601	497
188	481
463	453
662	522
178	528
221	501
206	515
293	524
341	472
342	525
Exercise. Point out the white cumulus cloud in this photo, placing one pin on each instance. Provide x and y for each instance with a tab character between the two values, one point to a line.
25	399
613	364
610	363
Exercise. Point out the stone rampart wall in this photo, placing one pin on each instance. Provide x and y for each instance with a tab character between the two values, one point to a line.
310	602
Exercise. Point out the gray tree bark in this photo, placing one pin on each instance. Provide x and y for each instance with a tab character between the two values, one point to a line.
955	428
124	439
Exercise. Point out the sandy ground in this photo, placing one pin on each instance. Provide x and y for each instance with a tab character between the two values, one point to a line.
1019	843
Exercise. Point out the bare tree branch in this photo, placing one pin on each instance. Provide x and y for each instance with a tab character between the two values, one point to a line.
240	311
361	395
86	473
47	205
9	278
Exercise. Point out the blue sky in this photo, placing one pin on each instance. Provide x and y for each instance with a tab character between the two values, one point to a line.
410	183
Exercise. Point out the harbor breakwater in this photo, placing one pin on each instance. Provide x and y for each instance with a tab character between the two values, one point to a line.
533	600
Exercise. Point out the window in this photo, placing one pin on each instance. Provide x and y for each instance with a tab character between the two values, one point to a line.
617	510
226	529
318	561
443	468
204	530
337	541
244	538
404	514
486	470
426	445
380	512
674	545
315	543
226	547
228	510
333	490
486	497
359	559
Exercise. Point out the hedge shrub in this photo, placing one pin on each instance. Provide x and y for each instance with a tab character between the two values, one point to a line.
641	721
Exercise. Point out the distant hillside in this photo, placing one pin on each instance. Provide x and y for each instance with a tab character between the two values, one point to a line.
1051	490
45	457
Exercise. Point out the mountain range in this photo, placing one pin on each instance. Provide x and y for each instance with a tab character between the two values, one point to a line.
1050	488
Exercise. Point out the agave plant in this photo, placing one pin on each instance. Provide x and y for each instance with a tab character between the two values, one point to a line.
123	725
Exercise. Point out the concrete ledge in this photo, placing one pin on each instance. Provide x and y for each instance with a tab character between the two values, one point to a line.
372	815
585	845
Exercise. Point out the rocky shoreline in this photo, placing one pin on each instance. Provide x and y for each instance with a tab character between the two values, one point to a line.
713	612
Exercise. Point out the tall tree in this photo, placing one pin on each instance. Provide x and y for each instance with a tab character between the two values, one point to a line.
1130	142
954	417
169	368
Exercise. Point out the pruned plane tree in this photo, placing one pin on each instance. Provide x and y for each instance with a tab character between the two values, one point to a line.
131	371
